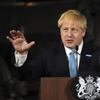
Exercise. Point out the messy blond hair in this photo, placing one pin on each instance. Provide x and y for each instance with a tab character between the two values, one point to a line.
75	16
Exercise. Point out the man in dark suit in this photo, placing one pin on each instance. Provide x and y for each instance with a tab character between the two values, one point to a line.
54	60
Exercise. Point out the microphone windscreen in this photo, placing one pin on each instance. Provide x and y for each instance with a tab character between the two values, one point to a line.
76	48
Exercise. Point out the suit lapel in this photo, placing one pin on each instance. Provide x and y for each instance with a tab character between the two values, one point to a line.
86	57
62	59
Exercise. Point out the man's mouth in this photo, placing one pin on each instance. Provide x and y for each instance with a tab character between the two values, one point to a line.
69	41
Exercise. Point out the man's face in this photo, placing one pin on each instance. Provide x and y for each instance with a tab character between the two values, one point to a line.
71	34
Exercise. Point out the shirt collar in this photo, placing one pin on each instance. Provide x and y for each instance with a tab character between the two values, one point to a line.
80	47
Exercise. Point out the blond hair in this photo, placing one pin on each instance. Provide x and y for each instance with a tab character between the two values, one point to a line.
75	16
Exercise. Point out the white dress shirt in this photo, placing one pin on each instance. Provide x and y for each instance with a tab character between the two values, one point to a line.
20	58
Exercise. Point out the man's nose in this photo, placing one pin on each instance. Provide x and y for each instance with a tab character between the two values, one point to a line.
69	32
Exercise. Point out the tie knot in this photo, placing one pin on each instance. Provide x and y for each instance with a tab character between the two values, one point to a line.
71	53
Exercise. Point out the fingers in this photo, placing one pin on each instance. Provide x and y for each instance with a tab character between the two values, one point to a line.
13	34
10	39
26	47
30	44
16	34
20	34
18	41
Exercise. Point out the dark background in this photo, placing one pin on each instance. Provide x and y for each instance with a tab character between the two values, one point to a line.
38	18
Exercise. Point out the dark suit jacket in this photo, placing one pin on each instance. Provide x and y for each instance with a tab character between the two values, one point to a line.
52	61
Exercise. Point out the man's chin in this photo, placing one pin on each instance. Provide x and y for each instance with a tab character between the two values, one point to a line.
70	46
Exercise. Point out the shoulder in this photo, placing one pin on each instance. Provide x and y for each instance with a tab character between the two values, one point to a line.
54	47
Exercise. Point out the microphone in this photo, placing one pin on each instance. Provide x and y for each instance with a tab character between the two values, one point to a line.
76	50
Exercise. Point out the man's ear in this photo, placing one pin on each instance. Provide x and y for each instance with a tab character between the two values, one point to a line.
84	32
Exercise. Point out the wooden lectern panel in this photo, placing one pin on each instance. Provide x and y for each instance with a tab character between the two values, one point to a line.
55	88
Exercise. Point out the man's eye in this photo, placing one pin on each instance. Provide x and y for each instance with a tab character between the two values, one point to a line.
65	29
74	30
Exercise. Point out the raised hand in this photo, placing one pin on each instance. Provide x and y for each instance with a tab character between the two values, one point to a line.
19	42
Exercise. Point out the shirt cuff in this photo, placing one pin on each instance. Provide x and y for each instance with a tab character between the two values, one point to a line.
20	58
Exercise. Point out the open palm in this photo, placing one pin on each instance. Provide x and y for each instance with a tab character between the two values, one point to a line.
19	42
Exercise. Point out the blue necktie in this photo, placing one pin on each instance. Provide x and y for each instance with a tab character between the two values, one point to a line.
72	65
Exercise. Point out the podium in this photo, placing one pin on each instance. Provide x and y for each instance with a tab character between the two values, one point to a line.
55	88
